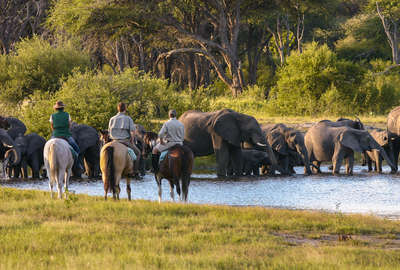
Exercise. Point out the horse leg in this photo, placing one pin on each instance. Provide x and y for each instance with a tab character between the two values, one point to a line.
60	178
158	180
66	182
178	189
128	187
50	182
171	190
185	188
117	189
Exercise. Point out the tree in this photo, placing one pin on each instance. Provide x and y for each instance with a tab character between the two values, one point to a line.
20	19
389	13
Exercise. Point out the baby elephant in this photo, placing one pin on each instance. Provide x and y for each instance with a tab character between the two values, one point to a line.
252	160
373	156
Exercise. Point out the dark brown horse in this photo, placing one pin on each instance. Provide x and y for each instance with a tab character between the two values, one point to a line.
176	167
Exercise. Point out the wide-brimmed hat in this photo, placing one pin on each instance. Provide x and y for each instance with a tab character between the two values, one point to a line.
59	104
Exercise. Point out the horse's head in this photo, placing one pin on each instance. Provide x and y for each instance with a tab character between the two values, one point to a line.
150	140
104	137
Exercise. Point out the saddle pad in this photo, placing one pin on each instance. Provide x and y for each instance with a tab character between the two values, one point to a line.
132	154
163	155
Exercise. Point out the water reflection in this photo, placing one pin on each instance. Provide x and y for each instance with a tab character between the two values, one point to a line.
362	193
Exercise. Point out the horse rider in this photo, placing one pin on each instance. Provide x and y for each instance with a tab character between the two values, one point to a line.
171	133
122	129
60	126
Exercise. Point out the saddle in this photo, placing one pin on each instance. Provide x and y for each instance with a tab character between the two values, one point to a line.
73	152
132	154
163	155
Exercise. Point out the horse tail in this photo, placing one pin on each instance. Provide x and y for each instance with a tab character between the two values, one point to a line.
52	157
110	175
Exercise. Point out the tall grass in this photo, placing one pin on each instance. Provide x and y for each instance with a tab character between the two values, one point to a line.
87	232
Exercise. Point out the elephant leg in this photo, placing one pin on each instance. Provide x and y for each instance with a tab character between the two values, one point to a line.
229	169
35	160
396	150
236	158
285	165
221	149
337	160
256	170
349	165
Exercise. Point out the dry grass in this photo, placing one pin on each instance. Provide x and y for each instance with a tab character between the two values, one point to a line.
86	232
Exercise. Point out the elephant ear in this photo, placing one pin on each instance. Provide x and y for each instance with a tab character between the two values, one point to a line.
351	140
35	142
5	139
85	136
277	142
226	126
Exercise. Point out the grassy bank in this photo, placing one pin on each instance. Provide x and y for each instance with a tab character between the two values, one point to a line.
86	232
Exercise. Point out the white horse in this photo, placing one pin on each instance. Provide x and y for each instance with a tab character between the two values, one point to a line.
58	161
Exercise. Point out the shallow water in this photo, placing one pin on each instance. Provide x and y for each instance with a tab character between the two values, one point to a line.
364	192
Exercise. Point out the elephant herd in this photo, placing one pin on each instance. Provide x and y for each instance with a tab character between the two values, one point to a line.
241	145
20	151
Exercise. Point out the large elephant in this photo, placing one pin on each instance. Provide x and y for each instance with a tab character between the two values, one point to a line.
381	137
393	129
286	142
329	143
27	151
222	132
14	126
88	141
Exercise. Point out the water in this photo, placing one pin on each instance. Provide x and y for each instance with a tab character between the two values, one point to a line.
364	192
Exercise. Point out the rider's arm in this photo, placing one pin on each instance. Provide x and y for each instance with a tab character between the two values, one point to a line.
51	122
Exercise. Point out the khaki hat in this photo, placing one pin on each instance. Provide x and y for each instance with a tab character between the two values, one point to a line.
59	104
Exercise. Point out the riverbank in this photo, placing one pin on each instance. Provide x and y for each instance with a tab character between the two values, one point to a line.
87	232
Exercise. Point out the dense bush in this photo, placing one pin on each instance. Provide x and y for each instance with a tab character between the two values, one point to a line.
91	99
317	82
36	65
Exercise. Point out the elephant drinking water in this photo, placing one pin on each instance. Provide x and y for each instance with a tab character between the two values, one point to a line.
325	142
222	132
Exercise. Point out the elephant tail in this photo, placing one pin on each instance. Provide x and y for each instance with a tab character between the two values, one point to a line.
109	177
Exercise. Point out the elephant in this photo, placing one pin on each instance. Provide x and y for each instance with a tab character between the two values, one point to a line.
381	137
393	129
288	145
252	161
14	126
6	143
27	151
329	143
222	132
88	141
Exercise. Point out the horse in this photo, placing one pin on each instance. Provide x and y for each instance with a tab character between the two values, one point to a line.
58	161
176	167
115	162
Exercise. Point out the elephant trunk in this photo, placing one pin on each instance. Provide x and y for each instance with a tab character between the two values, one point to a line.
385	156
302	150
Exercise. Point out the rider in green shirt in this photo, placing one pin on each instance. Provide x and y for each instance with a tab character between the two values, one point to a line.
60	124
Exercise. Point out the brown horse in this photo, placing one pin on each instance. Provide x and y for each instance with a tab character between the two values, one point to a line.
115	163
176	167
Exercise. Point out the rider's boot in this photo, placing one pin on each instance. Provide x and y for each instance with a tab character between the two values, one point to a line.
154	160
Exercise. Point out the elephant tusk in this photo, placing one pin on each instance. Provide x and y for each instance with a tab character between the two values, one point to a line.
262	145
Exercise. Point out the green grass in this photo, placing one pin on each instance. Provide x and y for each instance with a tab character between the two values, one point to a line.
86	232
